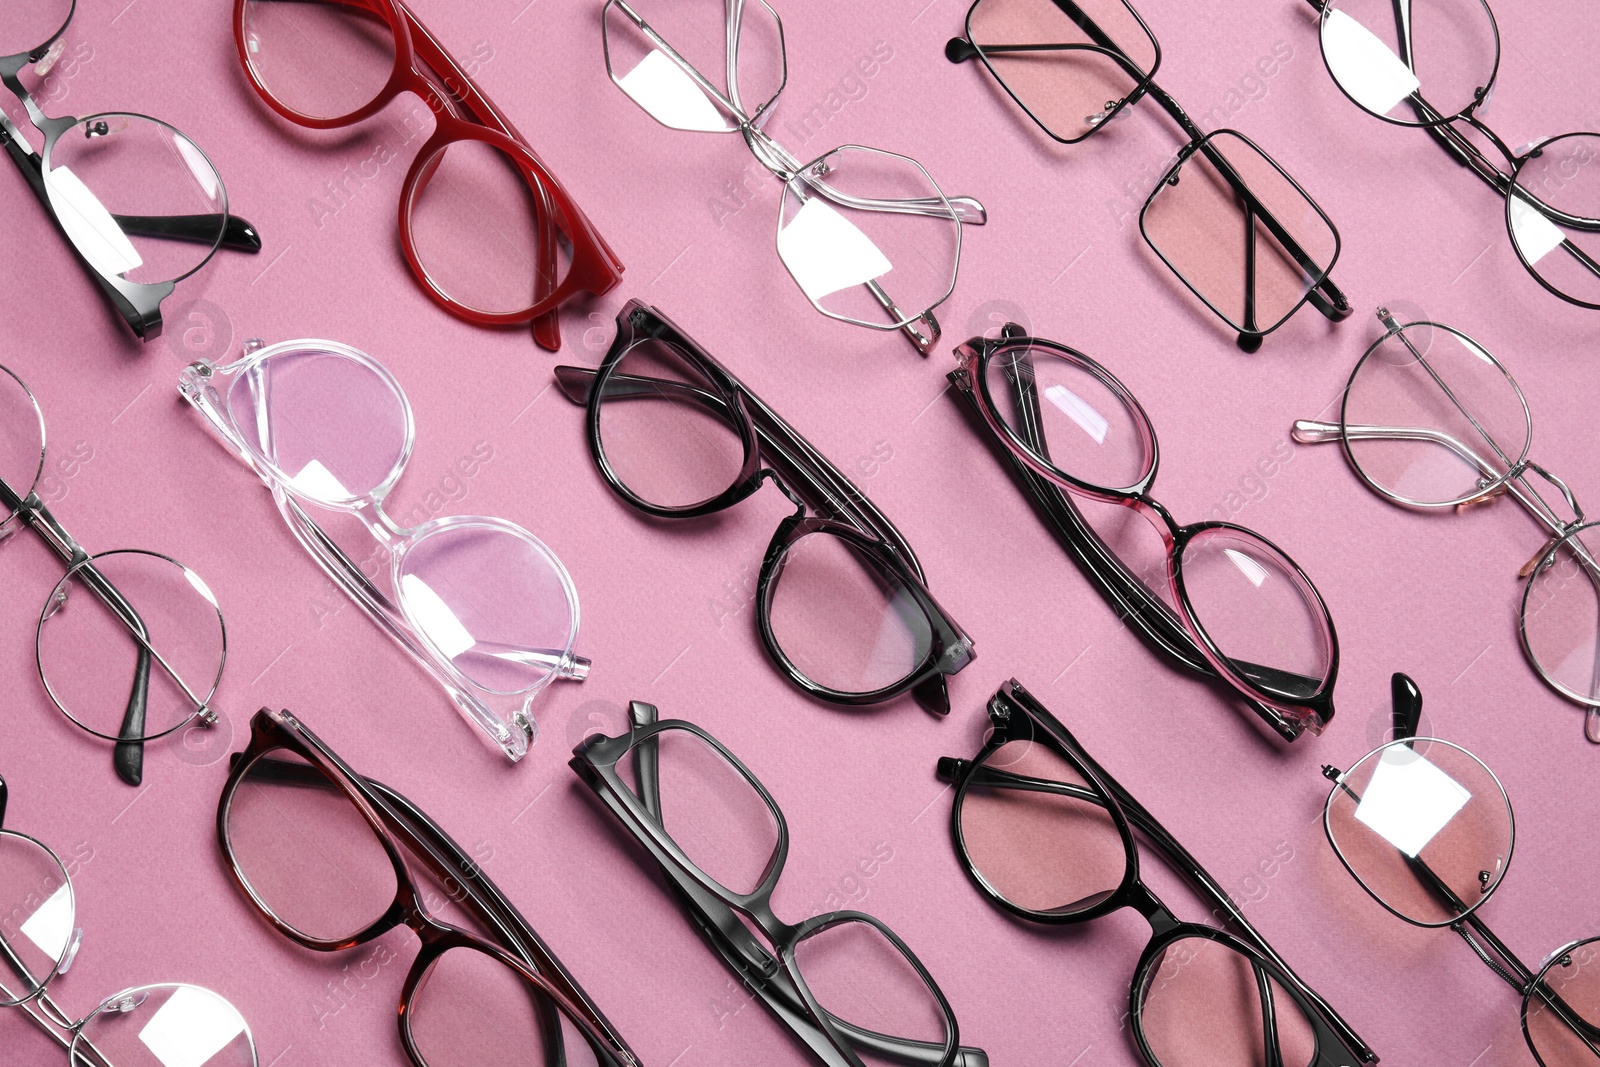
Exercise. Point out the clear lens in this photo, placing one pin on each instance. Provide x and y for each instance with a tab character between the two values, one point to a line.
1072	417
665	430
1431	418
492	600
1239	233
138	199
1561	615
1071	86
37	915
1565	1000
21	439
1201	1006
866	981
869	237
1425	828
304	850
94	665
27	25
1038	833
1259	611
323	59
843	619
1553	211
336	427
1418	63
162	1025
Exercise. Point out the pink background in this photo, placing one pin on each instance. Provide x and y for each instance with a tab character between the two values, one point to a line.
666	617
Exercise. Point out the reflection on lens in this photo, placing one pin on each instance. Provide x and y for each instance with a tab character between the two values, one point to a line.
1432	419
21	439
323	59
1553	212
26	26
1561	615
1428	68
94	663
1425	828
1038	833
162	1025
1564	1001
138	199
843	619
37	915
665	430
866	982
337	427
305	851
1202	1006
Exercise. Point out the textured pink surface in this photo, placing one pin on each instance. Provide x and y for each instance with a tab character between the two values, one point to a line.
666	613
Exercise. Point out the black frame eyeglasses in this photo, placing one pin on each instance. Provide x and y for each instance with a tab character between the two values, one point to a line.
1551	188
1046	834
1072	66
677	436
1426	828
814	975
1235	606
138	201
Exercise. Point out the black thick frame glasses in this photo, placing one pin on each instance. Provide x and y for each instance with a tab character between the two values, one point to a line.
1072	66
721	442
1046	834
1066	426
772	970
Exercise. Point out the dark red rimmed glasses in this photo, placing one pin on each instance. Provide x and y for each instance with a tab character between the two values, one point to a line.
487	229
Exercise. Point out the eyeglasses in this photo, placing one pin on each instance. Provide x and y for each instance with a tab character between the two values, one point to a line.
479	603
140	204
113	616
169	1023
488	231
1551	191
1431	420
842	604
1045	833
1235	604
855	222
1239	232
1426	828
842	981
317	848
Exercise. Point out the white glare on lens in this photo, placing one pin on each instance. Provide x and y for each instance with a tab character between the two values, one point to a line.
434	617
826	253
1535	234
318	482
196	162
666	91
200	586
1409	800
191	1027
1247	566
50	928
89	225
1079	411
1364	66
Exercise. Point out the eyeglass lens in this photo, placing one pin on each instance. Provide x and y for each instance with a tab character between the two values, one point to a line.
1563	179
1561	615
323	60
1451	45
26	26
1565	999
21	439
37	915
159	1025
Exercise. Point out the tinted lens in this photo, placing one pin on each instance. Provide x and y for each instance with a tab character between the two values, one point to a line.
304	850
138	199
1553	212
1425	828
471	1010
37	915
843	618
335	426
26	26
323	59
1068	70
1239	233
1038	833
1561	615
1430	418
1414	64
492	600
1562	1012
849	241
100	673
1202	1007
868	982
1070	415
665	430
21	439
162	1025
1258	610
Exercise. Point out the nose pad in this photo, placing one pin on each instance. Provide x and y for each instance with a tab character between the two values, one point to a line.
58	600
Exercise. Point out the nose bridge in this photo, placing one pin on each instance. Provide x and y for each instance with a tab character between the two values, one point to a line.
1159	517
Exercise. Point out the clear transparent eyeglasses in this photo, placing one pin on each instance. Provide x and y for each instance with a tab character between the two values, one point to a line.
1431	420
139	202
867	234
1551	188
480	603
130	644
1426	828
145	1026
